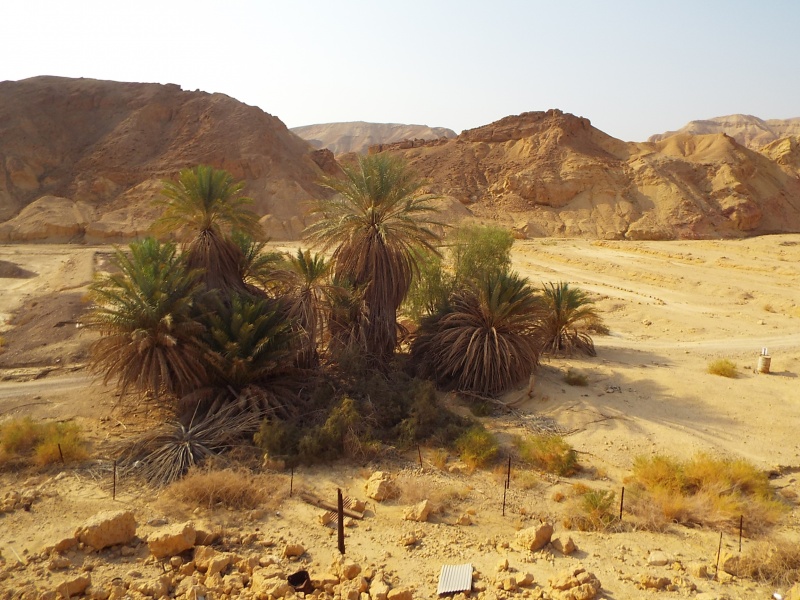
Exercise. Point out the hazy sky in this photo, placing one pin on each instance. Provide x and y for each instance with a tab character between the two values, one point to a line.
633	68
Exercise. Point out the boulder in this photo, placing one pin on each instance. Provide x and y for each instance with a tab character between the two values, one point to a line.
575	584
651	582
380	487
658	558
378	589
107	529
74	586
564	545
419	512
157	587
293	551
535	538
172	540
400	594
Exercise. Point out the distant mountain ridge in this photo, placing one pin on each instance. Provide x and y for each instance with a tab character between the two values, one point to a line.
748	130
358	136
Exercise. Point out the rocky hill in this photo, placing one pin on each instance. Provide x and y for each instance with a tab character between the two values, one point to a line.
553	174
81	159
748	130
358	136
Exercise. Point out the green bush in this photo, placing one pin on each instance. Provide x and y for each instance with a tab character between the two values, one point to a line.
477	447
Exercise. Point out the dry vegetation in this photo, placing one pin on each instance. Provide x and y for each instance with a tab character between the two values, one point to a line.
232	488
27	441
722	367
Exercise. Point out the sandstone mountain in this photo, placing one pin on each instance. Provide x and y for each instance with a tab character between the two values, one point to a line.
81	159
553	174
358	136
748	130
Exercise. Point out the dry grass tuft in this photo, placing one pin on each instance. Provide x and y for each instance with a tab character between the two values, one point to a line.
772	561
706	490
574	378
592	509
722	367
550	453
443	496
28	440
229	488
439	458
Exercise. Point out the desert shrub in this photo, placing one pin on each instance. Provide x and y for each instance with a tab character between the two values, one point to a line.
232	488
576	379
776	562
27	439
592	509
477	447
439	458
705	490
550	453
722	367
428	421
278	439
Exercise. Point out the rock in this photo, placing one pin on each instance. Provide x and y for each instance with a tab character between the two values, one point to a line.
172	540
464	519
378	589
59	562
205	538
203	555
219	563
651	582
107	529
658	558
347	569
502	565
400	594
74	586
699	570
509	584
64	545
527	580
269	581
575	584
564	545
535	538
156	588
293	551
419	512
380	486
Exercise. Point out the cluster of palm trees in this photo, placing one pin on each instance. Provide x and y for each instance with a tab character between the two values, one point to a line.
221	320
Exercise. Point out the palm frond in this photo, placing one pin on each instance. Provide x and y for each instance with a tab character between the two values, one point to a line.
566	309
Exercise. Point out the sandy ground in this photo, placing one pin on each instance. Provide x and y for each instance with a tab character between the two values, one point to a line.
671	308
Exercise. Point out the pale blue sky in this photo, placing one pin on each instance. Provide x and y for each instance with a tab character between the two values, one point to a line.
633	68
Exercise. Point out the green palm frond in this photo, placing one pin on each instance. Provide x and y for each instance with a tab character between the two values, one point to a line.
259	266
250	340
377	224
205	198
144	313
566	309
486	341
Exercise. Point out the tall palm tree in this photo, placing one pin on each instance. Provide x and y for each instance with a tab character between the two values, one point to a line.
307	285
206	204
486	340
567	308
144	313
377	223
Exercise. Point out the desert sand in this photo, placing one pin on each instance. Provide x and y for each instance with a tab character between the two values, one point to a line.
670	307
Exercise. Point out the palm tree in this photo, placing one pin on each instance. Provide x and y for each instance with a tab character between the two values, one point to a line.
250	343
306	284
377	224
207	204
566	308
259	267
486	340
144	313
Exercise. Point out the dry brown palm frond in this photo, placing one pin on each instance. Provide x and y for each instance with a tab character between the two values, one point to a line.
166	454
566	308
